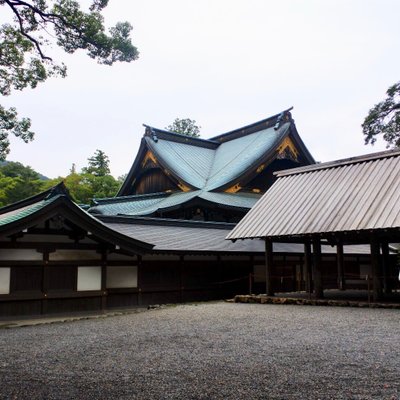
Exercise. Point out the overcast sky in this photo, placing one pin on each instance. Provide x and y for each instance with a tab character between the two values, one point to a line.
226	64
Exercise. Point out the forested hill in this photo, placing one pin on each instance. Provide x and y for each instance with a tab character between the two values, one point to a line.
18	181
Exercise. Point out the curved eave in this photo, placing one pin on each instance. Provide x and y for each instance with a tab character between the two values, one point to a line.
127	184
299	142
73	213
59	188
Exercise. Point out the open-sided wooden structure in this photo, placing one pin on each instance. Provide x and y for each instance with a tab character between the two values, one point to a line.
351	201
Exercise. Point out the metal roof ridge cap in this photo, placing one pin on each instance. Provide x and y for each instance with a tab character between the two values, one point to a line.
339	163
180	135
251	125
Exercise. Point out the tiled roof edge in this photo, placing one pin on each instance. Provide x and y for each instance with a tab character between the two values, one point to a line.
59	189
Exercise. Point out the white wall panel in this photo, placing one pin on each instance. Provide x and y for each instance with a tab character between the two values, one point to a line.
5	280
89	278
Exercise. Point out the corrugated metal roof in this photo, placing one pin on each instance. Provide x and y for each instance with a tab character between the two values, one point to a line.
362	193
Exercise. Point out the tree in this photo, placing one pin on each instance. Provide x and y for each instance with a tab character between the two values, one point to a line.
185	126
384	118
25	42
18	182
98	164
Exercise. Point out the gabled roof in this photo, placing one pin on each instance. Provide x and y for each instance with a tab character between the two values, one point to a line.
56	201
217	163
161	202
360	194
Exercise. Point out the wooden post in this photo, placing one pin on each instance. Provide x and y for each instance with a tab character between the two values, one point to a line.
45	282
139	279
387	287
307	267
268	267
104	281
340	266
317	269
376	269
181	281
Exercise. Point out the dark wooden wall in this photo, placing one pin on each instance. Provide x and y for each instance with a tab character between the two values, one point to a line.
37	287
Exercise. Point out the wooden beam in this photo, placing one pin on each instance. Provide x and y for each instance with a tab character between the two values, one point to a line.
317	269
340	266
376	269
268	267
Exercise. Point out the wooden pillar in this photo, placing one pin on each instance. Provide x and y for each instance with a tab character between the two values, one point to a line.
376	269
387	287
139	279
268	267
340	266
317	269
307	267
45	282
181	280
104	280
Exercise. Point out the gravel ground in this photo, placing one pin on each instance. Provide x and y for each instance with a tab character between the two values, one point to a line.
208	351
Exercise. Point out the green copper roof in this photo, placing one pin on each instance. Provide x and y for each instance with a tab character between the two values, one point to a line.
191	163
235	156
20	213
210	168
143	205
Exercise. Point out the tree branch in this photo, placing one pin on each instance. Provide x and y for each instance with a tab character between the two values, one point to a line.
22	30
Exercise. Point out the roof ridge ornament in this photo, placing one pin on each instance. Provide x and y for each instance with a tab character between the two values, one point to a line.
279	120
150	132
281	116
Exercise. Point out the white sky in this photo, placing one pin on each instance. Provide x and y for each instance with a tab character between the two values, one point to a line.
226	64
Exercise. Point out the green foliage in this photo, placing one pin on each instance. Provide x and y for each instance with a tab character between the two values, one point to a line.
9	122
84	187
25	42
384	119
18	182
98	164
184	126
